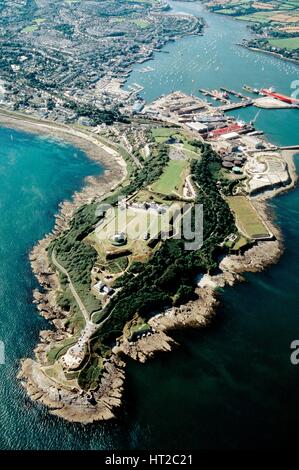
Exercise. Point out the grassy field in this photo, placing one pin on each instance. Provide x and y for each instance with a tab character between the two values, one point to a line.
60	349
147	196
256	18
130	221
287	43
162	134
172	179
283	12
248	220
190	149
117	265
143	24
30	29
240	243
39	20
119	19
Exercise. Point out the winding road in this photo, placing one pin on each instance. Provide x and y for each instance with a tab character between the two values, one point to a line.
89	322
73	290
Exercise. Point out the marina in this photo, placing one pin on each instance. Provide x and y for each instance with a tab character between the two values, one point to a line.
135	88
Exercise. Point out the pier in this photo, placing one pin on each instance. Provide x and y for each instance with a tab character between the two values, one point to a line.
231	106
290	147
213	95
234	93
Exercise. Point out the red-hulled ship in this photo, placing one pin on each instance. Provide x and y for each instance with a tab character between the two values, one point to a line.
273	94
235	127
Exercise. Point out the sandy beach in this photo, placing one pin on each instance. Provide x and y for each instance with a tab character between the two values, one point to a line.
81	138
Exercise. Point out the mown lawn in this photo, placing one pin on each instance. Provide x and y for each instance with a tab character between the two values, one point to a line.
30	29
248	220
172	179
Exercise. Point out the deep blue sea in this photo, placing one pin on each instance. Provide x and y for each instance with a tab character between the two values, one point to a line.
229	386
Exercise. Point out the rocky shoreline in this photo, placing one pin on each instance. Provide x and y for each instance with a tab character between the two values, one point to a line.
275	54
71	405
74	404
199	313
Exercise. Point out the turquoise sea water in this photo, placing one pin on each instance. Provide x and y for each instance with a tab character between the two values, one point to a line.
228	386
35	174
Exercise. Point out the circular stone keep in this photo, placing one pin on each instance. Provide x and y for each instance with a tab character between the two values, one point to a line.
119	239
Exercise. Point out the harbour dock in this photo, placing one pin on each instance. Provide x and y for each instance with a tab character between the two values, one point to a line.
290	147
231	106
213	95
234	93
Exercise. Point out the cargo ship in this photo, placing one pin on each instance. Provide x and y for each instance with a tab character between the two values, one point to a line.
219	95
278	96
250	89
